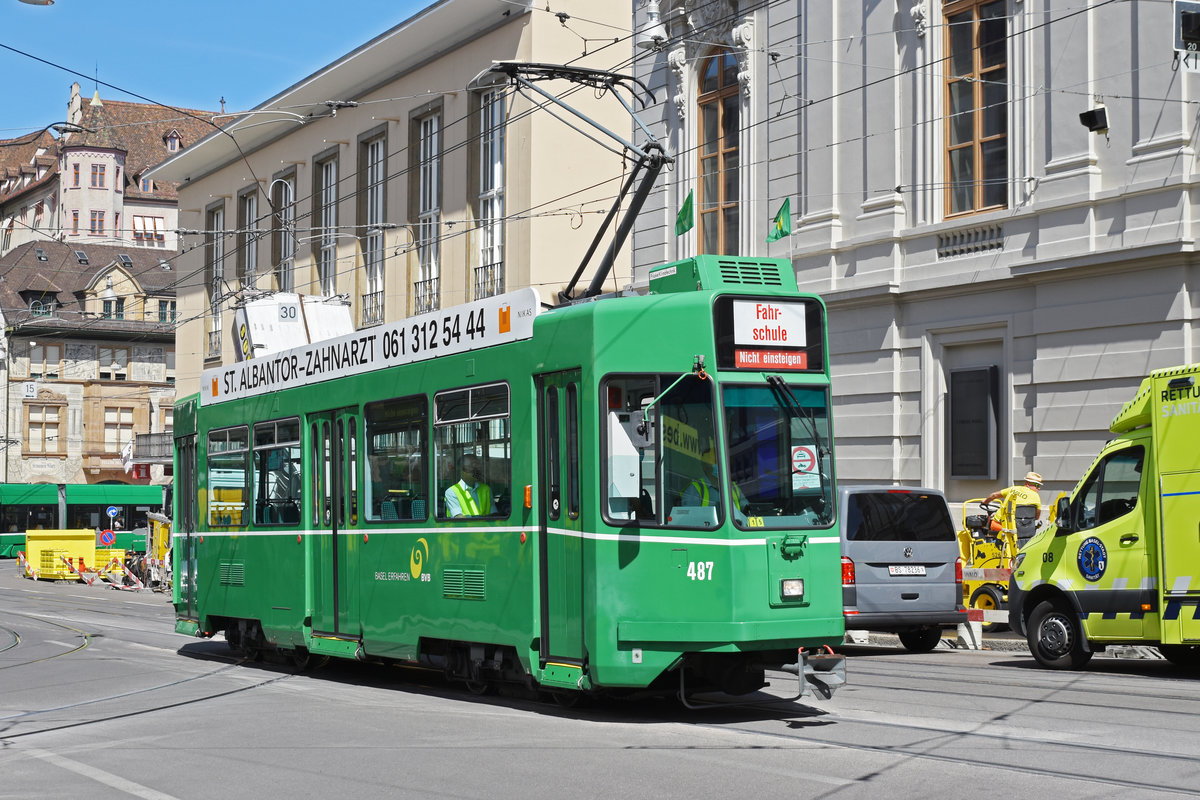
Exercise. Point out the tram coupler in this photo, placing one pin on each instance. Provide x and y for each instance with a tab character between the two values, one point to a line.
823	672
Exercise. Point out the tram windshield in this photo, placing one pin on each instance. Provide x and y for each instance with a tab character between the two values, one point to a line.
664	457
778	441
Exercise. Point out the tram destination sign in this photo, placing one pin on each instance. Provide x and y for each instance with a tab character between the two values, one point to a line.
484	323
769	334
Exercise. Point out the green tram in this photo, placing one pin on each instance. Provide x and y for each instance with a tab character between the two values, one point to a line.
49	506
314	487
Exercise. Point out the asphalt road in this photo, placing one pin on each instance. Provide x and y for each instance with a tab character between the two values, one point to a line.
99	698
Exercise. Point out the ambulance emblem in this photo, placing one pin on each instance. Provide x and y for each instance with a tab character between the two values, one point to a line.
1093	559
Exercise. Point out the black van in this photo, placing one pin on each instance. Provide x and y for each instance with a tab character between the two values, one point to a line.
901	568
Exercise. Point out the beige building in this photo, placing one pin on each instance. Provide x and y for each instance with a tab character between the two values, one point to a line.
403	178
88	361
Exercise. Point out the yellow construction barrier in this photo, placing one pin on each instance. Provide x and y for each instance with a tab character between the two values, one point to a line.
109	562
47	553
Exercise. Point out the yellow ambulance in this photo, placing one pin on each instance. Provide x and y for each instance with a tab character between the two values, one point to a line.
1121	564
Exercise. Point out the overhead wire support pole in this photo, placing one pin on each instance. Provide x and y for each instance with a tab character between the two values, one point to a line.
650	158
565	295
653	164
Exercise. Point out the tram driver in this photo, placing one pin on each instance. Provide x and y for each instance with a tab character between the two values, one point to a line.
470	497
705	491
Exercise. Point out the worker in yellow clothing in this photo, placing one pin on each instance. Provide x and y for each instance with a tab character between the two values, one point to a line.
704	490
1020	505
470	497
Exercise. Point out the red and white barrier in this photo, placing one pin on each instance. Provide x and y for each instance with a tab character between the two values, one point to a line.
987	615
137	583
994	574
26	568
79	571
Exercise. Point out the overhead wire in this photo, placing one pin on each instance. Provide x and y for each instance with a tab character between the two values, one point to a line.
469	141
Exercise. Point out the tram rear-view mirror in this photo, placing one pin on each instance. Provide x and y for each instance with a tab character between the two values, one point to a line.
624	464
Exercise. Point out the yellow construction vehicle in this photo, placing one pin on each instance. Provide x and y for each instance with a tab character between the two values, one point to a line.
988	549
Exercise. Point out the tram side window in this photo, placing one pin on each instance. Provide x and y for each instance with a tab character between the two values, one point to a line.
227	491
662	466
21	518
472	442
395	482
277	474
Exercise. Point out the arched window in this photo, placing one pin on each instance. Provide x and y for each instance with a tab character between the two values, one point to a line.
719	105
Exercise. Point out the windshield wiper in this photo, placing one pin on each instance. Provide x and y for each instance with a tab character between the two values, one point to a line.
800	412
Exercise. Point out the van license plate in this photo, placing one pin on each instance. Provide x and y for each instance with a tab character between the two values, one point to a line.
906	569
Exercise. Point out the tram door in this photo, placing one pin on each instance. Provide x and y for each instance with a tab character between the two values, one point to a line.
331	513
560	518
184	554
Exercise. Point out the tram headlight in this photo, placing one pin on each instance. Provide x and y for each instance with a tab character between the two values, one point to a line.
792	588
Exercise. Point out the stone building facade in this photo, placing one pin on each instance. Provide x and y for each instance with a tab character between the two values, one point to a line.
88	361
1000	271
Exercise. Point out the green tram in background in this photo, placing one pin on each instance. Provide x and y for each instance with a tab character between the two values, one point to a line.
311	484
49	506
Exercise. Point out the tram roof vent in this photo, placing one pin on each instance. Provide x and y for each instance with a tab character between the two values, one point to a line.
723	272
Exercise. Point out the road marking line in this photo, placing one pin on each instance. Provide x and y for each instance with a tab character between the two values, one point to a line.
98	775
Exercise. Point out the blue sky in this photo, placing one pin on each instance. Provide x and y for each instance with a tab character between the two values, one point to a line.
185	53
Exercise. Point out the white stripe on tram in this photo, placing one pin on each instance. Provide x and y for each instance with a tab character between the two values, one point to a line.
593	535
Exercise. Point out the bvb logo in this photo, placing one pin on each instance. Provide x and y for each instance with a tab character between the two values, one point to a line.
420	552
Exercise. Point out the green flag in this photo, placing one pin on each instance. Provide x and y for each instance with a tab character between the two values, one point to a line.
782	226
683	220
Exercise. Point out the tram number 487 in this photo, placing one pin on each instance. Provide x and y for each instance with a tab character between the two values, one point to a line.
700	570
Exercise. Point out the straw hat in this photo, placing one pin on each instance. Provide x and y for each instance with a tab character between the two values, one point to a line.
1034	478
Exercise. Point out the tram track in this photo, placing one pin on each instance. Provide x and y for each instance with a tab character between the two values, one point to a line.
7	721
1075	752
10	638
1029	682
1056	774
17	640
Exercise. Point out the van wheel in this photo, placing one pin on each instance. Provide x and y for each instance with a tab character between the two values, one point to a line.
1055	637
988	598
1181	655
922	640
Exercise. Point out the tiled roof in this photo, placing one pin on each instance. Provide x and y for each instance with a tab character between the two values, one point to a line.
22	271
141	130
15	153
19	157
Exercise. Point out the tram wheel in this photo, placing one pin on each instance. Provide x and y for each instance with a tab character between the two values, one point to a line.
479	688
988	598
568	699
305	661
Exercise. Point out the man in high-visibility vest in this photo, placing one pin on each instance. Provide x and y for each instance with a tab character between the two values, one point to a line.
704	490
1024	496
470	497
